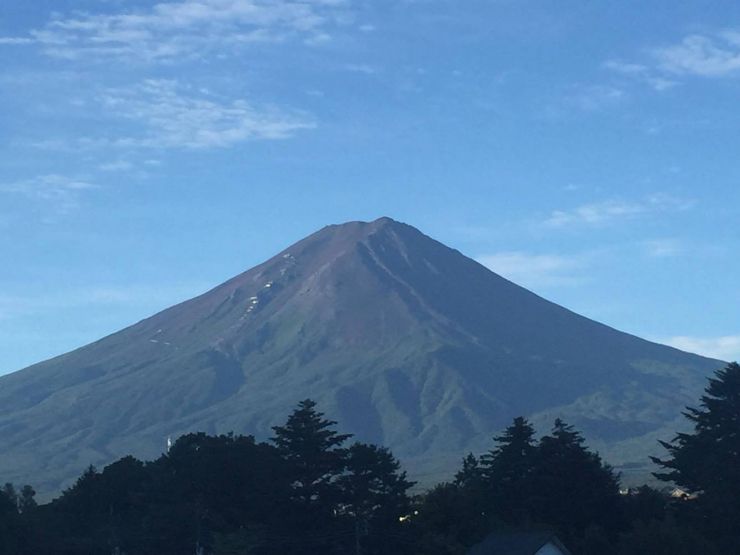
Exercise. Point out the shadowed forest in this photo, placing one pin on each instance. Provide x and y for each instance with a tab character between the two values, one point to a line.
311	490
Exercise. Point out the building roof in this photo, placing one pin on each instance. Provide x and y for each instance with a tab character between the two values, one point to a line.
516	543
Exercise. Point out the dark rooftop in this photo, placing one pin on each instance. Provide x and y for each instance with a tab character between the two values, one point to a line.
515	543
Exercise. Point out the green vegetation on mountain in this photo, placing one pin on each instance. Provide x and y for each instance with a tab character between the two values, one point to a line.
307	491
405	341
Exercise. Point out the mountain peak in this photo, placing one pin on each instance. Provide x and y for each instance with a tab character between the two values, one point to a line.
366	227
334	240
402	340
384	221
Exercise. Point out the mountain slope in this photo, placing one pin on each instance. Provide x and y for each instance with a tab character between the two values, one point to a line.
404	341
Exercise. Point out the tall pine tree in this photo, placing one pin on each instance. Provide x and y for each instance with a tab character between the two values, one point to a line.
374	490
707	461
572	489
507	470
314	452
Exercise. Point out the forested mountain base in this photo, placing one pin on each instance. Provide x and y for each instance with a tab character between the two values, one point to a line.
308	492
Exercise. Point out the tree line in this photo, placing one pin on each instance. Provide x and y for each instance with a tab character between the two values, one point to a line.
310	490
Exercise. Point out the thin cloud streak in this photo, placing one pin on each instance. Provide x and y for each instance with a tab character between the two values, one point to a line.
49	188
702	56
663	248
714	55
597	213
16	40
116	166
175	118
172	31
605	212
595	98
166	114
641	72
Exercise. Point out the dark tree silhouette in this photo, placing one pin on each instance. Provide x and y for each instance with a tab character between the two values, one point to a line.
572	489
374	486
470	476
448	522
314	451
315	457
307	493
664	537
11	534
26	499
374	490
707	461
507	470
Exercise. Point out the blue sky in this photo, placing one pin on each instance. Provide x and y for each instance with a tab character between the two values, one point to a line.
586	150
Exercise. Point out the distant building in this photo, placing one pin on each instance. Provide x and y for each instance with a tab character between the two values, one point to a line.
520	543
678	493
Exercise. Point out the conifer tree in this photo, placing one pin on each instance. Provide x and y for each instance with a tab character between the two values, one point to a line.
374	494
10	530
470	476
507	470
11	493
26	499
709	458
469	499
374	484
707	461
572	489
314	451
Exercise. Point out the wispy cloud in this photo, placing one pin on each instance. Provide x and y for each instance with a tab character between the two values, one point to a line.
597	213
59	190
641	72
16	40
174	116
605	212
165	114
662	248
709	55
700	55
116	166
535	270
725	347
594	98
361	68
171	31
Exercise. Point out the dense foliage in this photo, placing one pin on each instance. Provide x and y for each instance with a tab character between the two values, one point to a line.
308	491
706	462
555	483
305	492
